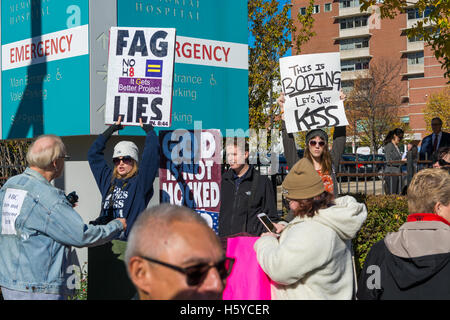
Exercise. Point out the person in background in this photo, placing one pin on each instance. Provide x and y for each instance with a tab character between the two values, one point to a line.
312	259
392	152
173	254
244	193
127	188
39	226
414	262
433	142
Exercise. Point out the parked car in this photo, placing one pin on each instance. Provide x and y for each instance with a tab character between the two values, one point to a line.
351	167
375	167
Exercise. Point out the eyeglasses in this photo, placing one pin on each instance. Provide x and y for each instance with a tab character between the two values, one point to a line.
197	273
66	157
127	160
436	124
312	143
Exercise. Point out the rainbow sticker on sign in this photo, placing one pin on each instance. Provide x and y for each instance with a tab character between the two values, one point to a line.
154	68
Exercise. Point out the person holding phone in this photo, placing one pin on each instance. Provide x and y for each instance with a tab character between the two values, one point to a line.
128	187
312	258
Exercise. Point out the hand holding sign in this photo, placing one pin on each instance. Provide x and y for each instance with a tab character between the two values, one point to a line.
140	76
311	85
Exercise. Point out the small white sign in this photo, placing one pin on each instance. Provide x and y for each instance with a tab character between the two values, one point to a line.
311	84
12	204
140	76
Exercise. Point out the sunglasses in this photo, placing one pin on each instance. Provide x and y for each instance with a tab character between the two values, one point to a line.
312	143
127	160
197	273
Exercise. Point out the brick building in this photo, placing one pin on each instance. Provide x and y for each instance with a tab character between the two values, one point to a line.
362	37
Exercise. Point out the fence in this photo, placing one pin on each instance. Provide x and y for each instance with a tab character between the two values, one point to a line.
371	176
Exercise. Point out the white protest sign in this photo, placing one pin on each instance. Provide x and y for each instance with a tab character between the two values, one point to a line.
12	204
140	75
311	84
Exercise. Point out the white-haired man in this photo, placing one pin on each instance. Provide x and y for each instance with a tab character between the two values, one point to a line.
39	226
173	254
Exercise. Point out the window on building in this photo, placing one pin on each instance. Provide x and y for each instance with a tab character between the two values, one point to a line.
355	64
356	43
327	7
348	3
415	58
316	8
415	38
354	22
347	86
303	11
404	119
414	13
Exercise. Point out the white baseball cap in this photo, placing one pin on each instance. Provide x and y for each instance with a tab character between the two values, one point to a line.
126	148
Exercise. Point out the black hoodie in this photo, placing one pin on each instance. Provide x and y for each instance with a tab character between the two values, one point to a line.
413	263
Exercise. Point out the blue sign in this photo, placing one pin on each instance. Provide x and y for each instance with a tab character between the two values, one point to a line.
45	68
211	60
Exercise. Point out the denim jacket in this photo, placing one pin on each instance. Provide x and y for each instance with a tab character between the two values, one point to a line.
34	256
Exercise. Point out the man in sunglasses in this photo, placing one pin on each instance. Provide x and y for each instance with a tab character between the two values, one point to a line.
173	254
39	226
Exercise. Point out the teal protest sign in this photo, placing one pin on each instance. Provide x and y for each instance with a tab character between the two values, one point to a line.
45	68
210	82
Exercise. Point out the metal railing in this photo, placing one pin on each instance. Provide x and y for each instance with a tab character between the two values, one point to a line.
371	176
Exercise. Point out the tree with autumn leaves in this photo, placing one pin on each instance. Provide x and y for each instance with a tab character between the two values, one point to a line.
438	105
272	34
372	105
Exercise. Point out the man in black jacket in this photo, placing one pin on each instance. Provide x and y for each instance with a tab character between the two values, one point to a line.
244	193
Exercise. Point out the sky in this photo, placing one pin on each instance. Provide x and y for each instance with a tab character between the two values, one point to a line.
281	4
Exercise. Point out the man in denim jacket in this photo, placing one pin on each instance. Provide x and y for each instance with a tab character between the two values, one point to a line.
38	226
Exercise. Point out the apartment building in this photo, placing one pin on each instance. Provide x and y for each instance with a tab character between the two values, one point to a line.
362	37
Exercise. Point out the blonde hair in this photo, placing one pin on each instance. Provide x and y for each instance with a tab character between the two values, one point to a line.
42	153
130	174
428	187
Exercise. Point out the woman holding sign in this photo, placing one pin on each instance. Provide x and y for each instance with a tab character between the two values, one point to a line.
325	161
127	188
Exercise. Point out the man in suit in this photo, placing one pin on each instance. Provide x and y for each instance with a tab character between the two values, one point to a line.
432	143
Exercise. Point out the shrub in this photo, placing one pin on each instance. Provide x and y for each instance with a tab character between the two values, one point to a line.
385	214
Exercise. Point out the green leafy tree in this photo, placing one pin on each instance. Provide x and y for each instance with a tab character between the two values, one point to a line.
273	33
434	29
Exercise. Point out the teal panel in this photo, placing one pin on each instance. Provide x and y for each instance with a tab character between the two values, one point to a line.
220	98
51	97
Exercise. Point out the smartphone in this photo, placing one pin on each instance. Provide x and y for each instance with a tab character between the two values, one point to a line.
264	218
